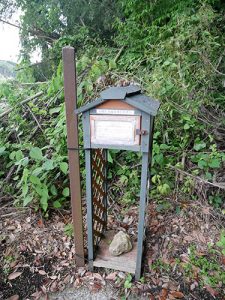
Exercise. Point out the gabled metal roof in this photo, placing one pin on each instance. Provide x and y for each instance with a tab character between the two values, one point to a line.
120	92
129	94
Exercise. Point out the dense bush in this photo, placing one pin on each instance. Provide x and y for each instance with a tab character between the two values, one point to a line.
174	49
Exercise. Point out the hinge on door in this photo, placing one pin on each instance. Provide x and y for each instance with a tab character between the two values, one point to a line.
141	132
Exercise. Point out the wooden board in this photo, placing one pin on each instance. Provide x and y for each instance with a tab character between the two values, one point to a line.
125	262
115	104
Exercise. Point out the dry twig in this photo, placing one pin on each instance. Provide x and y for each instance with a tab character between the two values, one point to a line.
21	103
220	185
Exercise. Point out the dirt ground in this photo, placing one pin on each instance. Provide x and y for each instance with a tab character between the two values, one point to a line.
37	255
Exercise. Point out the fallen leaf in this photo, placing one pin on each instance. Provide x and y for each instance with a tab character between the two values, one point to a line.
23	247
121	275
66	280
81	271
184	257
61	286
188	238
14	275
95	287
77	283
97	276
54	287
177	295
38	251
40	223
223	260
199	236
111	276
193	285
11	227
71	279
44	290
164	294
14	297
42	272
37	294
150	261
13	264
212	292
206	210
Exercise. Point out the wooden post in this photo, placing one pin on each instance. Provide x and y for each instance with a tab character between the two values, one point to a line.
73	153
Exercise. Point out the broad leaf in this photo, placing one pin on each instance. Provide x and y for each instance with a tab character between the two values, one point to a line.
48	165
214	163
66	192
27	200
36	153
64	167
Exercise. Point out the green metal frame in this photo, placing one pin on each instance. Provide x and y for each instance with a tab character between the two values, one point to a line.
145	147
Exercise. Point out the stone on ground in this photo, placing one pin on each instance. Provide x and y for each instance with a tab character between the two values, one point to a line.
121	243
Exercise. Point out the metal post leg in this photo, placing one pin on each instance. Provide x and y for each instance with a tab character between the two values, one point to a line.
141	223
89	208
105	187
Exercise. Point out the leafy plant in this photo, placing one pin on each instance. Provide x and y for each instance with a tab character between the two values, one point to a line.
161	265
209	268
172	48
128	283
68	229
221	242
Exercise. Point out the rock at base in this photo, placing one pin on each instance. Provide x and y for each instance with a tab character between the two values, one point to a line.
121	243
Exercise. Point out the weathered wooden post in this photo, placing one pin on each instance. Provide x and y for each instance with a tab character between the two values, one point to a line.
122	118
73	153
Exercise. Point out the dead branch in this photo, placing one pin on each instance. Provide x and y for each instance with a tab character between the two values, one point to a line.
35	119
34	83
21	103
9	175
119	54
47	105
11	24
38	32
183	164
220	185
33	65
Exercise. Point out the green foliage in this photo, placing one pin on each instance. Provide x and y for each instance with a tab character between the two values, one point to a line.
68	229
174	49
160	265
210	270
221	242
37	166
38	156
124	172
38	174
128	282
49	25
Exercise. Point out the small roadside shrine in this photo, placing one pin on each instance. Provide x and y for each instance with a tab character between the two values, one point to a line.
122	118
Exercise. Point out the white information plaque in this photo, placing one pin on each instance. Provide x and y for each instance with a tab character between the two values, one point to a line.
114	130
115	112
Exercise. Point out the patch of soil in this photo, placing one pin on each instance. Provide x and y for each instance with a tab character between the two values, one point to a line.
45	255
23	286
168	240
